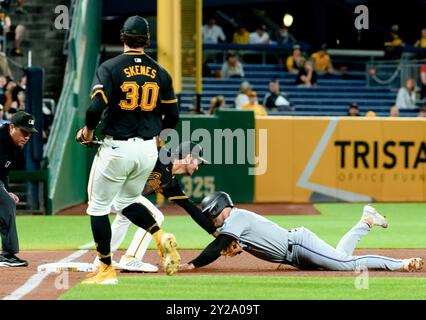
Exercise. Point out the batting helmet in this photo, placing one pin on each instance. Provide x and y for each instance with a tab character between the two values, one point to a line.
214	203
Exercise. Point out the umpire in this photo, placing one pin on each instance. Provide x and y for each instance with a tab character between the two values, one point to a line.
13	137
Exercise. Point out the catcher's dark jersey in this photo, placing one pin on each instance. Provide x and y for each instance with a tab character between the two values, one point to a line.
137	92
161	180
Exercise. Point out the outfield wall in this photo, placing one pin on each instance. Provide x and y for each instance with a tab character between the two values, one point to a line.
227	141
343	159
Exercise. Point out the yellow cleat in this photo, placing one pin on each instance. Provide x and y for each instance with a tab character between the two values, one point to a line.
172	257
157	237
105	275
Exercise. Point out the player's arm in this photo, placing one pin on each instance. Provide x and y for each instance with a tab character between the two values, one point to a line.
171	115
211	252
173	192
189	206
168	103
100	93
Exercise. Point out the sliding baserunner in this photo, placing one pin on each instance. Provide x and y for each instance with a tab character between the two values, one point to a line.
298	247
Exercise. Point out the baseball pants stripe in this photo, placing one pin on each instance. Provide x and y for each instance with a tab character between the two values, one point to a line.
309	251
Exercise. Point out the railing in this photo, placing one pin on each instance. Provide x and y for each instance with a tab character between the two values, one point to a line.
393	73
263	50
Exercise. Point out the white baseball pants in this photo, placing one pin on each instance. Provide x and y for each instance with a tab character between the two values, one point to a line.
119	173
142	238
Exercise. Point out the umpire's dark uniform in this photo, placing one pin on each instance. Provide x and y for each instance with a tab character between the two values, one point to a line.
11	157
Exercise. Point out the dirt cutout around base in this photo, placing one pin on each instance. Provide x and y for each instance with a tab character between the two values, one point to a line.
54	285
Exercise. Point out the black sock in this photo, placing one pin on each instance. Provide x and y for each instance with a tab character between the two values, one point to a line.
101	230
141	216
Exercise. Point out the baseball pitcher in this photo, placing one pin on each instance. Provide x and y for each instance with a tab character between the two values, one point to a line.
135	96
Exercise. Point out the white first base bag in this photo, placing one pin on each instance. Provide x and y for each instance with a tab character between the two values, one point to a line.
66	266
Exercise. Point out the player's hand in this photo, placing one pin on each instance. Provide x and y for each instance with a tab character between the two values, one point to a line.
85	137
14	197
186	266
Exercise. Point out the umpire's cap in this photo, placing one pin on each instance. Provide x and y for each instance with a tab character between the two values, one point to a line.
214	203
188	147
136	26
24	121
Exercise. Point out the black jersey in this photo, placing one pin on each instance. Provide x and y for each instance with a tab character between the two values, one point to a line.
137	92
162	180
11	156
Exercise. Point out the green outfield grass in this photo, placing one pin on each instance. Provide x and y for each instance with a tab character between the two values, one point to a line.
406	230
251	288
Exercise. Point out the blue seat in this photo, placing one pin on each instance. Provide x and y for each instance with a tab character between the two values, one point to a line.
331	96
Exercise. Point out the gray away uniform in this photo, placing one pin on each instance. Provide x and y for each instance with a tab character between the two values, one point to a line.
301	247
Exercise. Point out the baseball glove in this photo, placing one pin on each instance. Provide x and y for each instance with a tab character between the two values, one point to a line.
79	137
232	250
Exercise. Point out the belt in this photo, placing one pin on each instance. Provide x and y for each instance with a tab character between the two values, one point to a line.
125	139
289	247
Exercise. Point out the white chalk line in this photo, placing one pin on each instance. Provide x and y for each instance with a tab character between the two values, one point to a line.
35	280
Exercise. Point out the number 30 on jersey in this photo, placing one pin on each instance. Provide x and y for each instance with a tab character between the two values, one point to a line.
149	95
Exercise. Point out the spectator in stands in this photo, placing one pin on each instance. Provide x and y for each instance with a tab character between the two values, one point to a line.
307	77
296	61
2	119
23	81
393	41
18	97
284	37
322	60
232	68
353	110
4	65
212	33
406	98
9	87
275	100
3	82
208	71
422	111
17	33
241	36
394	112
242	98
216	103
422	41
258	109
423	81
259	36
370	114
19	6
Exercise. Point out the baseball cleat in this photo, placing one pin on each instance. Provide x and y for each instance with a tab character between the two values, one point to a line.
95	263
373	218
105	275
10	260
130	263
172	257
412	264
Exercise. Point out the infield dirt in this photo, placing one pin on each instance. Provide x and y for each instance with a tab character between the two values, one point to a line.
243	264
